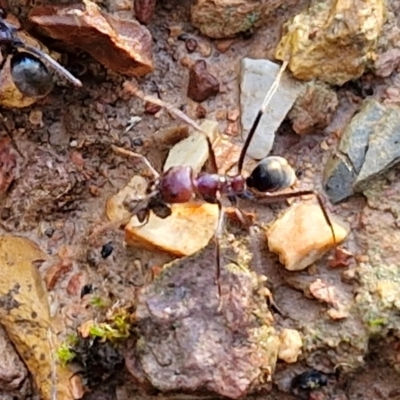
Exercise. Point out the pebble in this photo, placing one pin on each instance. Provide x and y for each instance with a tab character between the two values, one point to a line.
151	108
256	78
290	345
144	10
202	84
300	243
36	117
54	274
194	150
224	45
191	45
204	48
187	230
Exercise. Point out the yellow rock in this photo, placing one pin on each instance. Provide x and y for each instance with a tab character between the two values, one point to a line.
290	345
187	230
24	313
333	40
302	236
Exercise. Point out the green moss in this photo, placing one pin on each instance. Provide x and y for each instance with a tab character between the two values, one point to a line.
65	354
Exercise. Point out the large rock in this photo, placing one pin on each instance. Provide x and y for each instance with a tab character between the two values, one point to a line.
368	148
257	77
121	45
332	40
223	18
25	315
190	340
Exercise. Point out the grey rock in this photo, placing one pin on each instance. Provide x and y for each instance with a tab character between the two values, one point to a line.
383	148
257	77
367	148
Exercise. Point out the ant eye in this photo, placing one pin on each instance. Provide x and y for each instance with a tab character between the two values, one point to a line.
271	174
30	75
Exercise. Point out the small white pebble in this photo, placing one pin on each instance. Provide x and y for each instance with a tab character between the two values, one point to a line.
73	143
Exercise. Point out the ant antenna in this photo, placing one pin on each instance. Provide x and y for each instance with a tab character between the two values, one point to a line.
132	89
272	90
122	151
59	68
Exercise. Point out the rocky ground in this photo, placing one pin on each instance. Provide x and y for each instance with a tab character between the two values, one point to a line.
146	331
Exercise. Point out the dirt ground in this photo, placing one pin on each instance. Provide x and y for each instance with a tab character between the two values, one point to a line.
66	171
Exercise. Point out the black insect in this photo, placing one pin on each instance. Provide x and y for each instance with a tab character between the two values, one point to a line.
87	289
309	380
180	184
106	250
29	70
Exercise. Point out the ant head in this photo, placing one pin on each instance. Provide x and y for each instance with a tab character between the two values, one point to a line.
159	207
30	75
271	174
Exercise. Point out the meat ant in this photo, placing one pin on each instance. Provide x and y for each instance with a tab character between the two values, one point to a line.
28	64
179	184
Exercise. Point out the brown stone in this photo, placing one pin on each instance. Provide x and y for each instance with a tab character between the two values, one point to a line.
54	274
144	10
202	84
121	45
76	283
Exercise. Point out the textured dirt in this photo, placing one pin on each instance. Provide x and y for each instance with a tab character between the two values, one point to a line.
66	171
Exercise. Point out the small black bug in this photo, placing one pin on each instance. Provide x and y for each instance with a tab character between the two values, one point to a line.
309	380
106	250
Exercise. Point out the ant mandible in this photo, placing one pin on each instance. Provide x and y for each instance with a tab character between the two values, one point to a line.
180	184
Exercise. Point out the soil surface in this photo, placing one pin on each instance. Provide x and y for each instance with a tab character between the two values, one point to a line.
66	171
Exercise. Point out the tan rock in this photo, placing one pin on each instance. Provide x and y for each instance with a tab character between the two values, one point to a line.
223	18
25	315
302	236
318	40
192	152
290	345
187	230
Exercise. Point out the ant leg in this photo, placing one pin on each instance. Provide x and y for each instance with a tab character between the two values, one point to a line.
107	226
59	68
144	160
217	237
284	196
272	90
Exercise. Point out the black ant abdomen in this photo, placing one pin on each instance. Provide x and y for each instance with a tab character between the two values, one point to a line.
30	75
271	174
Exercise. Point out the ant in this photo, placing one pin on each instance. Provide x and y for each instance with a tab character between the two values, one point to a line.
180	185
28	64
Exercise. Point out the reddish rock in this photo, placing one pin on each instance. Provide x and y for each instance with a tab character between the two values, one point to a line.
151	108
8	164
202	84
121	45
144	10
76	283
54	274
204	344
